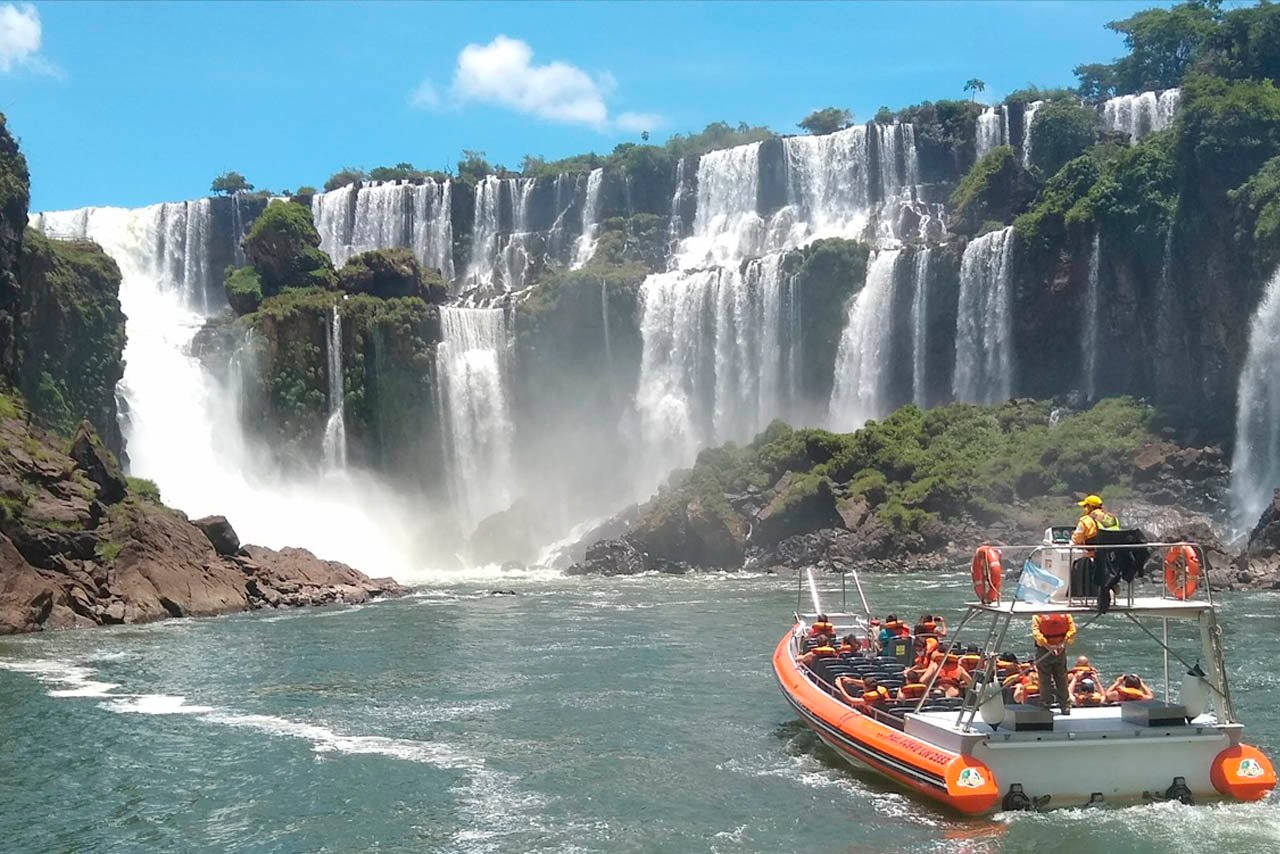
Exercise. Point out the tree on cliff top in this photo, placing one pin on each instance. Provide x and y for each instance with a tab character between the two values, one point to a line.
1062	130
973	86
1163	44
230	182
343	177
826	120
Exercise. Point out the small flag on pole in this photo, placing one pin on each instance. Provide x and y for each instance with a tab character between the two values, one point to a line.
1036	584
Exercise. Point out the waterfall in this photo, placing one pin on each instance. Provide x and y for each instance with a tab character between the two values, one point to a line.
1089	340
237	231
993	129
499	256
1255	465
1028	118
1141	114
182	428
586	246
604	326
984	359
676	225
920	327
471	366
861	373
357	218
335	429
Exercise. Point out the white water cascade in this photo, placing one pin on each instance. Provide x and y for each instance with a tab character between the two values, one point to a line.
586	245
472	370
984	347
993	129
500	257
719	329
861	377
1028	119
387	216
920	327
1089	340
182	428
1141	114
1255	466
335	429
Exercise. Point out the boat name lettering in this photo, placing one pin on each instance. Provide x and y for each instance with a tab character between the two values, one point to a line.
924	751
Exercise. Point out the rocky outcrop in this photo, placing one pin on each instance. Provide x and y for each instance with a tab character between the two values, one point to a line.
80	547
14	195
1258	565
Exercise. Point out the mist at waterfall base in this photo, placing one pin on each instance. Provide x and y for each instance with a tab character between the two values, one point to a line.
606	727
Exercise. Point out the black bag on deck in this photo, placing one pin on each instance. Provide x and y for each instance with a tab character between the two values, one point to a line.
1111	566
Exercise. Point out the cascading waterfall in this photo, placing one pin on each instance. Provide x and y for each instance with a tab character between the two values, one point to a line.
237	230
182	427
719	329
499	257
920	327
1089	341
586	245
984	358
1141	114
1028	119
471	366
676	225
860	376
1255	466
604	327
335	429
993	129
358	218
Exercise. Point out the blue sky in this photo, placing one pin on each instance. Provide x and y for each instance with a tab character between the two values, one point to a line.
129	104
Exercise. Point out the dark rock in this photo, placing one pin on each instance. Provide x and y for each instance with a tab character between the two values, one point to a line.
99	466
610	557
1264	539
220	533
799	504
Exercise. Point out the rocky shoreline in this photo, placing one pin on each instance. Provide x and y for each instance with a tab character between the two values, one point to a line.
81	545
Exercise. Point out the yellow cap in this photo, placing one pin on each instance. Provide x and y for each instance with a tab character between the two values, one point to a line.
1090	501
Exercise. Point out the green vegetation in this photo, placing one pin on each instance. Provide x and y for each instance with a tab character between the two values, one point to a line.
1258	210
973	86
1042	227
953	462
827	275
343	177
230	182
284	249
949	124
71	332
1228	130
995	190
108	550
390	273
1062	130
826	120
140	487
638	239
15	182
244	289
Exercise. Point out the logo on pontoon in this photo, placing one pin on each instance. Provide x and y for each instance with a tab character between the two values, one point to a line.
971	778
1249	768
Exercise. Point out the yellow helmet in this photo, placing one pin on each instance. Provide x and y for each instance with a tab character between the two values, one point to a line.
1090	501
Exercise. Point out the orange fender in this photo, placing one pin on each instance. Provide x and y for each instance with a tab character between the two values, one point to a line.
971	785
1243	772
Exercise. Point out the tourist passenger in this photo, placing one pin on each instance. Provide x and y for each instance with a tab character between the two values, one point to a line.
951	677
1053	632
1083	668
1028	688
823	649
1086	691
848	645
1129	687
891	629
873	693
822	626
925	647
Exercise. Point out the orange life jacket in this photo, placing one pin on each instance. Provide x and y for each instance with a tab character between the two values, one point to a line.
823	652
822	629
949	673
1054	627
1094	698
1080	669
879	695
1126	693
1031	685
911	691
846	649
970	661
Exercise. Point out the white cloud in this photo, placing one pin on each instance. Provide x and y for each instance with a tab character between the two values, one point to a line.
20	34
503	72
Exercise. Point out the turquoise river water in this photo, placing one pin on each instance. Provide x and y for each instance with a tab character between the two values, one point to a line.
626	715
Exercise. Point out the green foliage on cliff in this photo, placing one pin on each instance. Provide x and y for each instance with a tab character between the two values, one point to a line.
1227	130
827	275
230	182
1257	204
1041	228
1035	93
716	136
946	123
1245	44
951	462
71	333
638	239
1062	129
244	289
995	190
390	273
15	182
826	120
284	248
343	177
1136	194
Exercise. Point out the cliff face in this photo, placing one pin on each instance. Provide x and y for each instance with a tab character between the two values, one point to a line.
14	195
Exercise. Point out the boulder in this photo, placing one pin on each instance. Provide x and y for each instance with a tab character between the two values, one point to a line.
800	503
26	597
1264	539
610	557
221	535
92	458
717	538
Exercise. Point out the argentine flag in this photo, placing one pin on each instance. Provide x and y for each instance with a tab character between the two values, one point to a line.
1036	584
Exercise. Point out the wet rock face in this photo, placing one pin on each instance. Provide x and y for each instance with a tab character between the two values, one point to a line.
221	535
98	465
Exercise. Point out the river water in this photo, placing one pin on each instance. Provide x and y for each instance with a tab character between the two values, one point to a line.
578	715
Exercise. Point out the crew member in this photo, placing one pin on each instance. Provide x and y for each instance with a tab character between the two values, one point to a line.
1053	632
1095	518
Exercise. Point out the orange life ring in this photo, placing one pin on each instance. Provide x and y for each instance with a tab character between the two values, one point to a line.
987	572
1181	571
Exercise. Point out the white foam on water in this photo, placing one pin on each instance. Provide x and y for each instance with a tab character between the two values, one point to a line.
154	704
74	679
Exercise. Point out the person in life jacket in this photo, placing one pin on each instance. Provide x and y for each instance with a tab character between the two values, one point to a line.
951	677
1028	687
822	626
1095	518
1052	632
1129	687
1081	670
912	691
824	649
891	629
848	645
1087	692
925	648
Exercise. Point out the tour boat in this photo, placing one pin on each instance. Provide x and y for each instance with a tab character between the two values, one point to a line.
980	753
